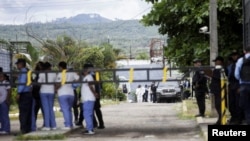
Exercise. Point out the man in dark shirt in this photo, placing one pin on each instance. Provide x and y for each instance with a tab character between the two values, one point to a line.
233	92
153	91
200	87
215	85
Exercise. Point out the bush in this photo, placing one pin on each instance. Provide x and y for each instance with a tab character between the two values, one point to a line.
120	95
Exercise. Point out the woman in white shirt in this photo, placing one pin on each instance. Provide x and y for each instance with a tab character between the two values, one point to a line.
47	95
66	94
88	95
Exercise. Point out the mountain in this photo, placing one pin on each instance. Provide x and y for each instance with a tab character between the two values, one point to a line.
90	28
82	19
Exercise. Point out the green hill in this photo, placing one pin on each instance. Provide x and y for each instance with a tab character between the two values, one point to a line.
121	33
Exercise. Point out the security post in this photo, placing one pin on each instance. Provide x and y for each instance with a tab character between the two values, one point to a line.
223	97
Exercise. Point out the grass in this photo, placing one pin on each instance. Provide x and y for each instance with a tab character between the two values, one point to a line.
47	137
190	109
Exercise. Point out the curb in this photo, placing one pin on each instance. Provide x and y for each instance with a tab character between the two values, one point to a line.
202	127
199	120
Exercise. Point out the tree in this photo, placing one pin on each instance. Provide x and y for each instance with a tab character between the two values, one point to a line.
142	56
181	20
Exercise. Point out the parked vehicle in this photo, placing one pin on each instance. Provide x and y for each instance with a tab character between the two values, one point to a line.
169	91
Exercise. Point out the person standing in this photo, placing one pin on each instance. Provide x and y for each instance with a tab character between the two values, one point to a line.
47	96
97	108
200	87
24	98
88	96
139	93
66	94
242	74
5	94
36	96
236	112
215	86
145	95
153	91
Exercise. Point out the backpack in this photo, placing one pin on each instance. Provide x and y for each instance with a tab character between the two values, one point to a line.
245	69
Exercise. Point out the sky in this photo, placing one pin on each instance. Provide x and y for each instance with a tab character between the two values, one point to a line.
25	11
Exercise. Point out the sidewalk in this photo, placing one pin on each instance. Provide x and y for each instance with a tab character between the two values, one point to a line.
203	124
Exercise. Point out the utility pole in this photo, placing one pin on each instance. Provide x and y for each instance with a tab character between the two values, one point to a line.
213	31
213	42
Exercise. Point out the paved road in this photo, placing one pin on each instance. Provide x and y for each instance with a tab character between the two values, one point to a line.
135	122
143	121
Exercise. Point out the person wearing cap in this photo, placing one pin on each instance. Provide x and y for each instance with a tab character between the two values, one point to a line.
244	83
47	95
200	87
215	85
236	112
24	98
66	94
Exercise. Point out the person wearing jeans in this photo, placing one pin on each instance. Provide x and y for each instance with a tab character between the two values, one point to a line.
47	95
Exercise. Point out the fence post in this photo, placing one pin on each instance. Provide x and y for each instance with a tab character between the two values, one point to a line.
223	97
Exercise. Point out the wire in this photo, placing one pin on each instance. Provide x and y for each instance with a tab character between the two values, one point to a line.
53	4
143	11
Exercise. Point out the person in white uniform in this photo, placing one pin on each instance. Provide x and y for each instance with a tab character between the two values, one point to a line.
66	94
88	97
47	95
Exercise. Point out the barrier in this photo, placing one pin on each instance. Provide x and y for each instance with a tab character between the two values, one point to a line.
98	72
223	81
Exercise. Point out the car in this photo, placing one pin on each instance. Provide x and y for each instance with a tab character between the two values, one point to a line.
169	91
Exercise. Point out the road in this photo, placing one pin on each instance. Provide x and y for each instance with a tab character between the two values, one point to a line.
134	122
142	122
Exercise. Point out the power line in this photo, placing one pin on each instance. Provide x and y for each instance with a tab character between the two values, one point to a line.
143	11
54	4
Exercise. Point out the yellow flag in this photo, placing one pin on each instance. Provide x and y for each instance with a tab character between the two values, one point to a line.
131	75
63	77
29	80
164	78
97	76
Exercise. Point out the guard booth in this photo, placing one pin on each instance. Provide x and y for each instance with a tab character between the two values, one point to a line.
246	23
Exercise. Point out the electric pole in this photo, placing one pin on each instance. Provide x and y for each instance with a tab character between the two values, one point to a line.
213	42
213	31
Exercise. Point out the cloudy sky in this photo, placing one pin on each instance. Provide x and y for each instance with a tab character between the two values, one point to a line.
24	11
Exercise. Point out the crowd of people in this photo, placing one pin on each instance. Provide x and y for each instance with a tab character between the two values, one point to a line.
237	93
41	93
